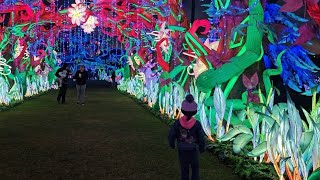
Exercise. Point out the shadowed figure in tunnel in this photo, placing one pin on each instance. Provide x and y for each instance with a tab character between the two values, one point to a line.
81	77
62	74
113	77
189	135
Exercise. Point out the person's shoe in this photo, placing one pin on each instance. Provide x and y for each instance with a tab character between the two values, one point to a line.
78	103
82	104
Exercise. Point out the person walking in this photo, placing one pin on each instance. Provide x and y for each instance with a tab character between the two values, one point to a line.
62	74
81	77
113	77
189	135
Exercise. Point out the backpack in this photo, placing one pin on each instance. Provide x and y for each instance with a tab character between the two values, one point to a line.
186	140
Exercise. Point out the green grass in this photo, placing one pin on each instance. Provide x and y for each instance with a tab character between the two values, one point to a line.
111	137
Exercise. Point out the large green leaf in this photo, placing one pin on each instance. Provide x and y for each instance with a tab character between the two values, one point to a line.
260	149
269	120
308	118
209	101
295	120
235	131
176	71
231	133
219	102
237	104
315	175
165	75
242	115
241	141
180	89
305	140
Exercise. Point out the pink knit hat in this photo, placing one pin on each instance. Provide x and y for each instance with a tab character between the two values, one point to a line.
188	104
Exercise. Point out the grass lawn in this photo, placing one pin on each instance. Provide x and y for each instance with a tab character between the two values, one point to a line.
111	137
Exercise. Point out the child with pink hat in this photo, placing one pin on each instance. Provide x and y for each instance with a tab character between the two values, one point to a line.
189	135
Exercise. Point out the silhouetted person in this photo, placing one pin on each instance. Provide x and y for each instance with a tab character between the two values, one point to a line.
64	83
189	135
113	77
81	77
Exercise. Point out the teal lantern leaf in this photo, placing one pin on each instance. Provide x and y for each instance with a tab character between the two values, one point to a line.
315	175
260	149
241	141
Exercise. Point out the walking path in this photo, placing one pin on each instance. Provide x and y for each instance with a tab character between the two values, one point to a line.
111	137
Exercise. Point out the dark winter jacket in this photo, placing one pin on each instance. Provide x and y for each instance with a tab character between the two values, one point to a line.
81	77
187	139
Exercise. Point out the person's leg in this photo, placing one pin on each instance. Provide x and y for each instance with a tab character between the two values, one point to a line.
195	165
60	82
64	92
59	95
78	87
184	165
83	93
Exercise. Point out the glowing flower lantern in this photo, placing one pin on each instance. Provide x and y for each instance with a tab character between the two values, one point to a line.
90	24
77	13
